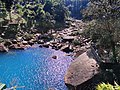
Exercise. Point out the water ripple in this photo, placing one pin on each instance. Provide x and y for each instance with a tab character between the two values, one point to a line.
34	68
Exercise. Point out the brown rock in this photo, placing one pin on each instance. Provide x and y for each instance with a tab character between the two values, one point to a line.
67	49
24	42
68	38
82	69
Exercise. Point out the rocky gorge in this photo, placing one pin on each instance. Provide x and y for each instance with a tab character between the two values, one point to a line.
68	39
83	71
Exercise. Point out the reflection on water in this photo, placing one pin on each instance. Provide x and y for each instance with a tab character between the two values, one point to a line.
34	68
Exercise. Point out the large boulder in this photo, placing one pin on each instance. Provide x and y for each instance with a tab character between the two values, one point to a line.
82	69
68	38
66	48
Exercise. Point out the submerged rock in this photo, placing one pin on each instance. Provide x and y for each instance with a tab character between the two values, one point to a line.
54	57
40	46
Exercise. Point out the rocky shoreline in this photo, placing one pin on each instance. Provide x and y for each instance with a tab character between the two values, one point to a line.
69	40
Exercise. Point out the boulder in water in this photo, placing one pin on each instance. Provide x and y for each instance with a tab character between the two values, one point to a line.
82	70
67	49
46	46
54	57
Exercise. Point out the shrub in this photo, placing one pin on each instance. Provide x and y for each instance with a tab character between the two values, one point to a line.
76	42
28	36
108	86
1	40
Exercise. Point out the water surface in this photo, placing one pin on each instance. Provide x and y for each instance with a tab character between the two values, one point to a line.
34	68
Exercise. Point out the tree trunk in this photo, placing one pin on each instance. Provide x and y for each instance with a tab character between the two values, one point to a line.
10	16
114	51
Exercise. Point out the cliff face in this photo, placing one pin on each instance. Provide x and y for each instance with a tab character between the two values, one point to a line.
75	7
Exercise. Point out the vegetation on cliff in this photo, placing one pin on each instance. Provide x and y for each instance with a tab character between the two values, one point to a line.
104	26
27	15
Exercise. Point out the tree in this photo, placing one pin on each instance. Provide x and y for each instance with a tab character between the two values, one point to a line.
105	25
38	13
60	12
75	6
8	6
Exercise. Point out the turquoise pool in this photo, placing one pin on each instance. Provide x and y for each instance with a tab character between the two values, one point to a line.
34	68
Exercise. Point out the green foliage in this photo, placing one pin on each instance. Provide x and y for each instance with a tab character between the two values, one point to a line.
8	4
43	15
60	13
3	12
38	14
28	36
108	86
103	24
1	40
76	42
